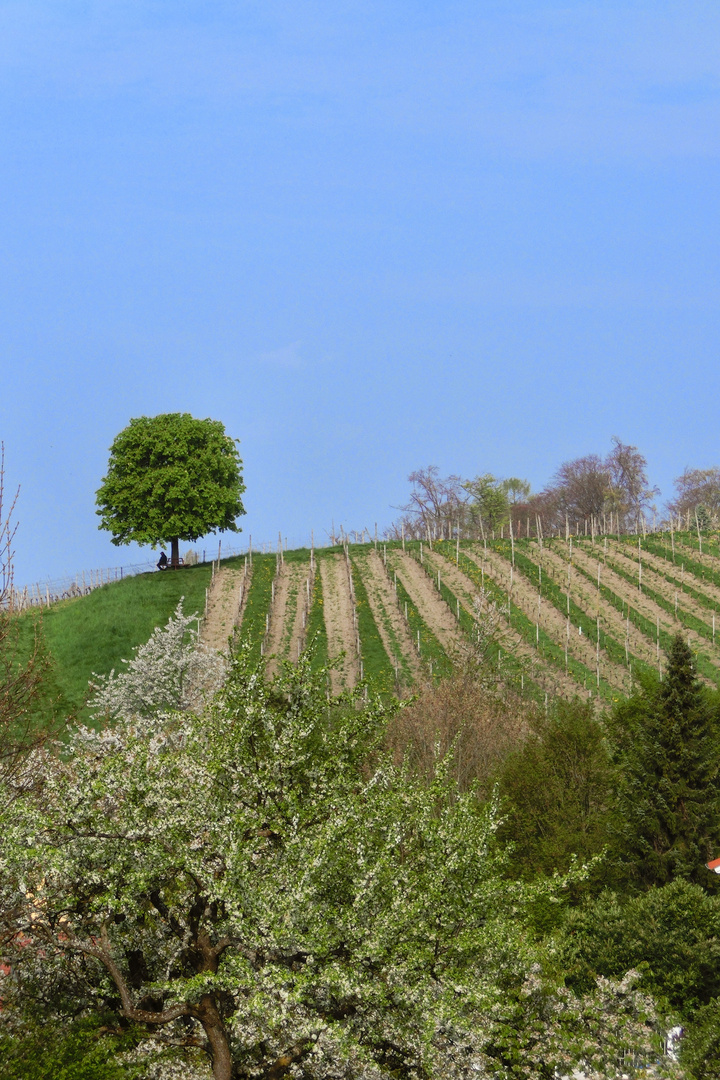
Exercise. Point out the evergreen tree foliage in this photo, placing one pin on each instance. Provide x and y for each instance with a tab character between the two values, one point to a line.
668	803
556	789
670	934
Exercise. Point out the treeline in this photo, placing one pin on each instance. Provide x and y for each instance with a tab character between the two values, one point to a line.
589	495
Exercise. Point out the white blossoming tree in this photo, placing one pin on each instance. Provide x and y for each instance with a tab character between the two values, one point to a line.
259	882
173	670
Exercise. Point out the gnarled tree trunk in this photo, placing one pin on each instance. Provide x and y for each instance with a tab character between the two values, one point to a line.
213	1026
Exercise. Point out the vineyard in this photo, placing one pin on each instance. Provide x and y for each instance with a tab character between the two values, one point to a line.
570	615
562	616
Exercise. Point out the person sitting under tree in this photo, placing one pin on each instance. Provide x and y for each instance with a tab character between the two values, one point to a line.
162	561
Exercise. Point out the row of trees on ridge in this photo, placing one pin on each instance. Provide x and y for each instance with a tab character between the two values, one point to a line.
595	494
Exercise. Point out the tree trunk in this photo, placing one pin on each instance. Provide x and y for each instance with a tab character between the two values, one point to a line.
214	1028
175	552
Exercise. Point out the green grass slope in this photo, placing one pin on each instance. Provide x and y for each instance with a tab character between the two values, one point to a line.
94	633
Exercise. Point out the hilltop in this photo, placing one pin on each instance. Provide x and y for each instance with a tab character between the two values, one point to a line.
577	615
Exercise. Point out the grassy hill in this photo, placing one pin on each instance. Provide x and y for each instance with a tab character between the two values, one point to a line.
580	615
94	633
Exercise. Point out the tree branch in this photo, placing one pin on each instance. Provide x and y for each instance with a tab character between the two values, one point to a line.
145	1016
279	1067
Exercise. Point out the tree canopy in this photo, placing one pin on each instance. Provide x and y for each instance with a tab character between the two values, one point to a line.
666	741
697	496
260	884
171	477
612	492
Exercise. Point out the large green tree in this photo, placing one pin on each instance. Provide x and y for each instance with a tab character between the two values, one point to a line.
488	507
667	749
170	478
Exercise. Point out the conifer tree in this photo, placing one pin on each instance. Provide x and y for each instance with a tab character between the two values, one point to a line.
667	750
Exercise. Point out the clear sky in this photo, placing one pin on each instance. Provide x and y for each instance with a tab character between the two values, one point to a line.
367	236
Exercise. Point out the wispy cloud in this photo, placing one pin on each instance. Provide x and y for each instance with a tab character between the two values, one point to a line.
288	356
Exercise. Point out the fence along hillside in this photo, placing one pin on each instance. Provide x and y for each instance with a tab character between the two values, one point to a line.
45	593
51	590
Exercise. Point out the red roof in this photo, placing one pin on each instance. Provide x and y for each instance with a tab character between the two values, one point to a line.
714	865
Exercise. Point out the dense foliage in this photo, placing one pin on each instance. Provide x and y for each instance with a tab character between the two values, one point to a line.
171	477
667	748
557	786
250	885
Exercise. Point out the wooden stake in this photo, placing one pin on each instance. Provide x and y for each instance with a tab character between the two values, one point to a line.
567	641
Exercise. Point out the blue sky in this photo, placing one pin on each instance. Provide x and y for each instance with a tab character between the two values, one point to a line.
366	236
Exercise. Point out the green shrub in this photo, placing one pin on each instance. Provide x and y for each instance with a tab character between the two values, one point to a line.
670	934
700	1046
79	1052
557	790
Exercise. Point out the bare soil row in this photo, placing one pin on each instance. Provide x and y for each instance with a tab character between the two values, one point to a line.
287	613
592	601
617	566
338	610
468	593
552	622
391	625
223	609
